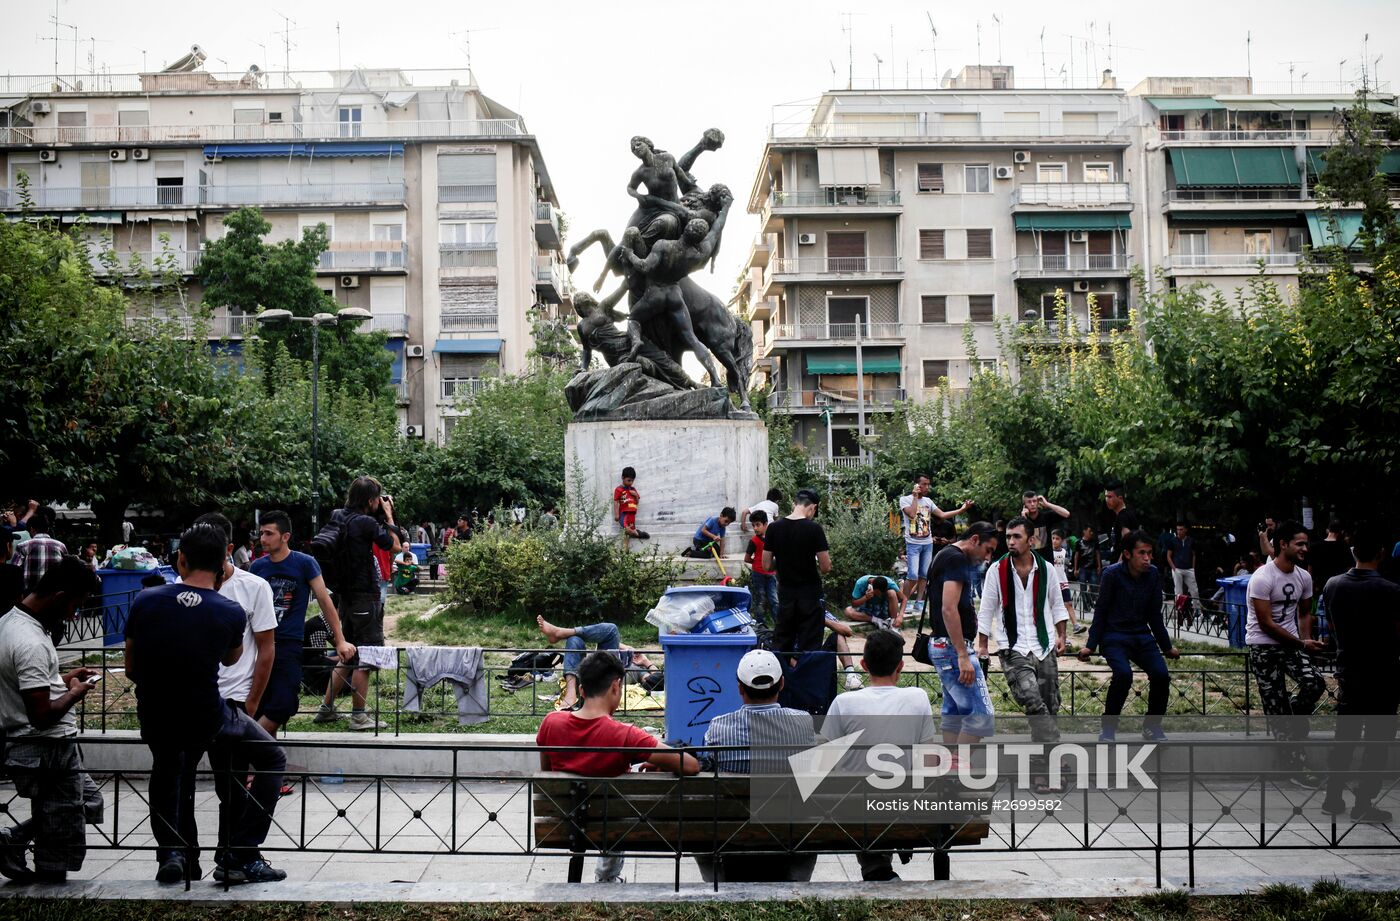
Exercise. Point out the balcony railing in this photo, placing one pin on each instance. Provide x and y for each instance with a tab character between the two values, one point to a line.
217	327
836	330
1087	263
47	134
834	198
1073	193
837	400
299	194
844	462
547	225
837	265
391	323
1236	195
401	392
919	126
467	192
1193	135
456	387
1229	260
1052	330
368	257
469	322
466	255
44	196
182	261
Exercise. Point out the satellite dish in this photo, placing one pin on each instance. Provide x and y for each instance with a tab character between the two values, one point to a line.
1031	315
946	78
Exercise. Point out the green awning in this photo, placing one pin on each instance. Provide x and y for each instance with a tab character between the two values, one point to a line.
1321	231
1390	162
843	361
1183	103
1077	221
1233	217
1234	167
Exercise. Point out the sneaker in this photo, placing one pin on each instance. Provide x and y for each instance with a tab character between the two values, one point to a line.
611	879
363	722
853	682
642	535
12	864
1370	815
1334	806
1153	734
286	790
254	871
1108	735
171	870
1082	628
1307	780
326	714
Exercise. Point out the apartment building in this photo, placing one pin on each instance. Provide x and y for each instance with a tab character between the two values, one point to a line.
442	219
897	217
894	220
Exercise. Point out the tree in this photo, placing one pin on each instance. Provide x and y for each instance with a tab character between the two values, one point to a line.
245	273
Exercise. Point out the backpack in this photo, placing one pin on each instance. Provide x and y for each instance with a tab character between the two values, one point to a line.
328	547
529	662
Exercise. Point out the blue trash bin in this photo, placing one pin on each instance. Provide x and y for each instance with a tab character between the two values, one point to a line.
421	552
119	586
1236	605
701	681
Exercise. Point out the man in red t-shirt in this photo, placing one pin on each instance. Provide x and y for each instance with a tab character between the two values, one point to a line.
592	726
625	502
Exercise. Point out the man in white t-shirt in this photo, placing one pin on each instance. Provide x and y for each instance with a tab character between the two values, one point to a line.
1278	632
917	512
888	714
769	506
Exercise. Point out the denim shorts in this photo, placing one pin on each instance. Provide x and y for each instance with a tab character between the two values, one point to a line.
966	708
920	556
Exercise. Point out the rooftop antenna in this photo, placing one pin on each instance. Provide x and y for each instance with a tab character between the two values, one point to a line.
997	19
467	44
1292	66
1365	54
934	30
1092	54
1303	81
56	23
1248	62
287	30
892	59
878	62
832	63
1110	44
979	53
850	49
1064	77
338	65
1043	81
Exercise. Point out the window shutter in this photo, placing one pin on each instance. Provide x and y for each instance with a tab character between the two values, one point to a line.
931	244
935	308
930	177
935	370
979	244
980	307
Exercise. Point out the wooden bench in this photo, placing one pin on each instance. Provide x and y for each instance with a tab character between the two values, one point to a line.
708	815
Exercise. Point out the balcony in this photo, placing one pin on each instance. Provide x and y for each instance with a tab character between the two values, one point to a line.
844	462
761	308
395	324
547	231
156	263
48	135
1074	264
1074	194
454	388
401	392
825	268
823	334
456	193
1231	263
821	201
366	256
1052	332
224	326
877	399
466	255
760	252
151	196
340	193
1248	135
550	281
924	127
469	322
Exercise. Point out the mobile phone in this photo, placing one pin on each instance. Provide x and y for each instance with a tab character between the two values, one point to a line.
91	680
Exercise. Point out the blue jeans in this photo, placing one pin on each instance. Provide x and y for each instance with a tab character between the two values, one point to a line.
764	589
603	636
1123	651
966	708
919	556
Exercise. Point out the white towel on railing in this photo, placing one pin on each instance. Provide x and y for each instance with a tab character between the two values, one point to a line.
379	656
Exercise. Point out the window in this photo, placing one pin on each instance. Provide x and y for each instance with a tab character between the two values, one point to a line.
1051	172
1048	308
841	313
388	251
934	308
931	245
131	124
980	307
170	190
72	126
1098	172
247	123
977	180
1191	247
96	179
985	366
467	233
979	243
935	372
1258	242
930	177
466	177
845	251
1107	304
350	121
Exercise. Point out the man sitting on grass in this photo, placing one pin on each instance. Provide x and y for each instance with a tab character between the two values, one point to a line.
605	638
875	601
592	727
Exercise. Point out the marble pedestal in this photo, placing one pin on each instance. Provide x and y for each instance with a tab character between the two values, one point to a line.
687	471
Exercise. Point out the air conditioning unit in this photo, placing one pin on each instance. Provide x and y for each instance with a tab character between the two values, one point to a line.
1022	156
413	431
274	118
48	156
140	153
1082	287
40	107
116	155
1079	236
414	351
806	239
349	281
1003	172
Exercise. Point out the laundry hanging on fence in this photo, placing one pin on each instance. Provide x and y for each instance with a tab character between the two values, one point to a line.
460	666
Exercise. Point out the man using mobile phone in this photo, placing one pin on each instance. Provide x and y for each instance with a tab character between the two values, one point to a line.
36	714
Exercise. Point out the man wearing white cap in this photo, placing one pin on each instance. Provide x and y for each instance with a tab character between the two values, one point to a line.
776	732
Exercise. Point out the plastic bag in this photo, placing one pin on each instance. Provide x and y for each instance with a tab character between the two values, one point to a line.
134	558
680	613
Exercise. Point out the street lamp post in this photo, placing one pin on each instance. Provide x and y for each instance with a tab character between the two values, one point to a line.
275	318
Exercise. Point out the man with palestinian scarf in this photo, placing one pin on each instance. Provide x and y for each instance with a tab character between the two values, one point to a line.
1023	608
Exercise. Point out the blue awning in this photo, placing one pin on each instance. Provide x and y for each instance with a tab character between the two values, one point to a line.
327	149
468	346
395	347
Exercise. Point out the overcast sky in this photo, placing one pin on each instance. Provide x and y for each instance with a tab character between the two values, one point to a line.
586	80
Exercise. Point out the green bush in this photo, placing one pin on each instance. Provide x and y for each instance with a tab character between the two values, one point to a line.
571	577
861	540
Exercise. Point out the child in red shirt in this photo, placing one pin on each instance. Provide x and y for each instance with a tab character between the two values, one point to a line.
625	502
763	584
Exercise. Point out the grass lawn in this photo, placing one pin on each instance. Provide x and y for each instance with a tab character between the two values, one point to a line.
1326	901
